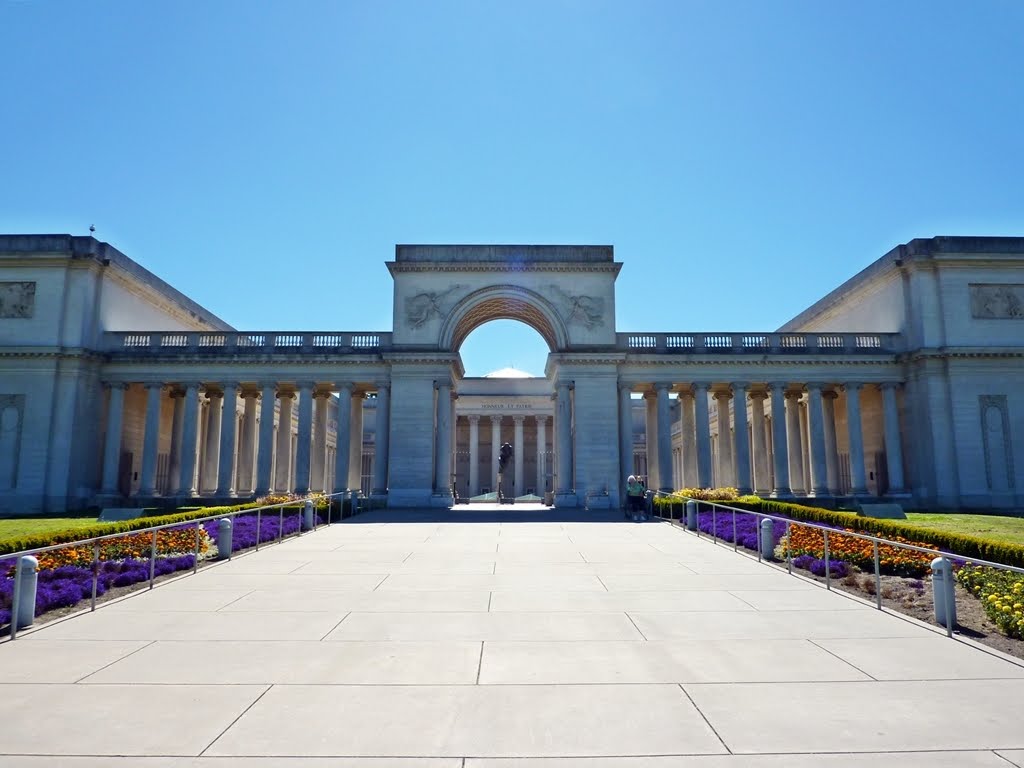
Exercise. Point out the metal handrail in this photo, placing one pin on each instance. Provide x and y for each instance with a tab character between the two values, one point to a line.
875	542
197	522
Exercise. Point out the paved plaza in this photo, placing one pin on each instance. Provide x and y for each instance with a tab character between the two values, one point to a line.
499	639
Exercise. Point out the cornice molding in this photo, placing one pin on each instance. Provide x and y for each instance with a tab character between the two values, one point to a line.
483	267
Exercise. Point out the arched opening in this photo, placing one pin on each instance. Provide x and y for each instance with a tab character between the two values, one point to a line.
501	346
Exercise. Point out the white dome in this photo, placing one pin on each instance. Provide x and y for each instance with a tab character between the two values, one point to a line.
509	373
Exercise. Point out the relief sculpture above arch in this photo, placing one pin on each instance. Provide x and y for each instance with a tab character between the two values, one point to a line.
588	310
423	307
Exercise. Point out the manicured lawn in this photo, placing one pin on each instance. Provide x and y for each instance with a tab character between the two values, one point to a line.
17	527
1009	530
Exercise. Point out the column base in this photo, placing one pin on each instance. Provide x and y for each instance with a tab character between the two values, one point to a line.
442	501
566	499
781	494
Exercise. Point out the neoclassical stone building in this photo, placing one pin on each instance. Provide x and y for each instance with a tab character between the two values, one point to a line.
907	381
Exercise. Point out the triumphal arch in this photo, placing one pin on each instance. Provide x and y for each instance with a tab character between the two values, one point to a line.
905	382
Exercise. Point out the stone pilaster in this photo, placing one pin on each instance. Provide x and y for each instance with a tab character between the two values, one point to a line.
741	438
625	438
177	433
517	448
382	448
563	431
828	407
780	447
495	450
474	455
893	445
112	446
151	440
542	440
664	414
854	428
651	437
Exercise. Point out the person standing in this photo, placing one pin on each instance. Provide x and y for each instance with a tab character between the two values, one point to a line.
634	497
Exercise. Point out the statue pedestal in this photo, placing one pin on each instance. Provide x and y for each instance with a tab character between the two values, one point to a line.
566	499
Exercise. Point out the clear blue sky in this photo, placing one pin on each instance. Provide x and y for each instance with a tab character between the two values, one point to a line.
743	158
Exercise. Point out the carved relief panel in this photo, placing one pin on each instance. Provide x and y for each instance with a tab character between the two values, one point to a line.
12	408
17	299
997	301
995	435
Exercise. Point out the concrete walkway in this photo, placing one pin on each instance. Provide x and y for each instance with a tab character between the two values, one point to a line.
498	639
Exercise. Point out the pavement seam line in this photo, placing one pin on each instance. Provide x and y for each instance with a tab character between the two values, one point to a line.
115	661
845	661
490	596
1004	757
733	594
335	626
232	602
232	723
689	698
480	663
635	626
300	566
602	583
388	576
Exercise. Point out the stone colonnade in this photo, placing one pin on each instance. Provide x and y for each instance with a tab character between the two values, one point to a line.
742	445
258	456
520	424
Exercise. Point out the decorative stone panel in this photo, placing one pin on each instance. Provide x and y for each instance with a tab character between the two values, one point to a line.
12	409
17	299
995	435
997	301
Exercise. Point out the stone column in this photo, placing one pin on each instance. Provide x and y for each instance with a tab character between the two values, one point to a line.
247	450
177	426
304	438
542	440
343	438
355	449
563	431
382	447
474	455
517	421
651	437
762	477
828	407
725	474
265	454
321	404
189	438
687	425
664	413
226	450
151	440
443	454
856	436
779	441
495	450
741	437
703	428
795	447
625	437
112	445
211	451
893	446
819	462
286	403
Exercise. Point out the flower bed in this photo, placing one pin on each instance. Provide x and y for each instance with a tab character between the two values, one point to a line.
1001	594
804	540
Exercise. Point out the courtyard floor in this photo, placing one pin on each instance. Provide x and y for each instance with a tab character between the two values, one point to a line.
499	638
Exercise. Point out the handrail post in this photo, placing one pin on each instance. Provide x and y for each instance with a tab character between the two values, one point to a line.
280	525
16	599
878	575
195	556
789	548
152	561
714	526
735	540
259	517
828	574
95	574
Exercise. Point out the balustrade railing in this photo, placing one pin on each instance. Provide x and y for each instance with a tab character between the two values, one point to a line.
264	342
758	343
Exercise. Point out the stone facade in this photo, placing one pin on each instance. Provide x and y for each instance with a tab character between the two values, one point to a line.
907	381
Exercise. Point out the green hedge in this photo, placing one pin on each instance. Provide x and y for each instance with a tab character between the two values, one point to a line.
69	535
966	546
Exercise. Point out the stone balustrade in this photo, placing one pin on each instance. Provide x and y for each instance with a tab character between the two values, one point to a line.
240	342
759	343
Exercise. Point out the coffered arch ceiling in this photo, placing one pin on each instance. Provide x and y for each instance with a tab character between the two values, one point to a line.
504	303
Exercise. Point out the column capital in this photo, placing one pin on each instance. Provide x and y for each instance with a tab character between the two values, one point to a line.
541	419
650	394
701	386
813	386
231	385
345	387
518	419
250	392
213	394
306	385
685	393
625	387
495	419
722	394
660	385
154	385
852	386
829	394
740	386
176	392
321	394
285	394
382	385
758	394
894	385
473	418
794	394
780	385
122	385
